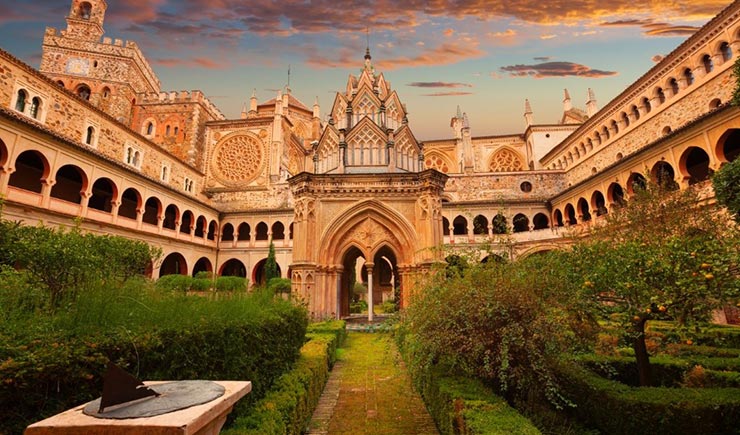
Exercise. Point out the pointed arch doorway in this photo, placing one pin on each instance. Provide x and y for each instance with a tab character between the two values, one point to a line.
380	278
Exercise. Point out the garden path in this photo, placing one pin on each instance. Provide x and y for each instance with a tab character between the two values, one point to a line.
369	392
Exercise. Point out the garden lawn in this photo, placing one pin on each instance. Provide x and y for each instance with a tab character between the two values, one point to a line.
375	392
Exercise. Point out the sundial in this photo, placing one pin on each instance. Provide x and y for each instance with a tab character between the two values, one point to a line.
126	397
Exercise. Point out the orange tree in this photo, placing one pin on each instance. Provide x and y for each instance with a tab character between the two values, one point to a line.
665	255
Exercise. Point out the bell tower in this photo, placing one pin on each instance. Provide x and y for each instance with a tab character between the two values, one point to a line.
85	20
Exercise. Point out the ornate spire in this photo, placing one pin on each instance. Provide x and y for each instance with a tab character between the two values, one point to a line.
591	107
566	102
528	112
459	113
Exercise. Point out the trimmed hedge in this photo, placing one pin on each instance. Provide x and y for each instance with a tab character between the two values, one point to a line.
615	408
465	406
288	406
52	373
460	405
667	371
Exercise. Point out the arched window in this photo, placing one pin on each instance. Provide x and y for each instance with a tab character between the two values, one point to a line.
695	163
499	224
227	233
445	226
540	221
130	200
200	226
85	10
20	103
103	194
89	135
83	91
664	176
726	51
262	231
616	194
177	129
583	210
106	92
460	226
688	75
165	173
152	208
521	223
661	95
211	231
635	112
599	203
243	232
149	128
673	83
167	131
636	182
31	168
186	222
137	159
480	225
35	107
646	105
278	231
171	215
570	215
558	218
70	182
615	127
706	61
625	120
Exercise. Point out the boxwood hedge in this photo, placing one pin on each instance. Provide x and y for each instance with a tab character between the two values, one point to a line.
616	408
288	406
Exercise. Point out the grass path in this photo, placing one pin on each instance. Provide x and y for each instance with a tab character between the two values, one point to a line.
369	392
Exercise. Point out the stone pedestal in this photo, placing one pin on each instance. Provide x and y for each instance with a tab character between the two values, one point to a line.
205	419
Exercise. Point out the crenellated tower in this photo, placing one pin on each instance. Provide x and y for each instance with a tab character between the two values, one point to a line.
110	74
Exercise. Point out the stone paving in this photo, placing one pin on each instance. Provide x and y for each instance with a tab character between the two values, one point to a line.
369	392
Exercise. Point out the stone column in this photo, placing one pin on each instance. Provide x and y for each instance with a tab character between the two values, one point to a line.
140	217
369	267
4	177
46	185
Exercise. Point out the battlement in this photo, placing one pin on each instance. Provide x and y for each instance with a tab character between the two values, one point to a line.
107	46
174	97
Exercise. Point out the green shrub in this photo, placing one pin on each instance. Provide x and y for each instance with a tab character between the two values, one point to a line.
337	328
388	307
288	406
357	307
203	274
231	283
201	284
174	283
615	408
280	285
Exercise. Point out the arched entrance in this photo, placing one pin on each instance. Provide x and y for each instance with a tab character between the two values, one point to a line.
173	264
380	277
202	265
234	267
258	273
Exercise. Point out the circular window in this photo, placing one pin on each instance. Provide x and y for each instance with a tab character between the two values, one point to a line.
547	135
238	159
526	187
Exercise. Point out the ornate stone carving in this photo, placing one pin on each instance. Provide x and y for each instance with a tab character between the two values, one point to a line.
505	161
238	159
369	234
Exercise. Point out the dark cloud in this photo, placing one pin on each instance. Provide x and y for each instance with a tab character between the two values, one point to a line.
652	28
446	94
542	58
440	85
555	69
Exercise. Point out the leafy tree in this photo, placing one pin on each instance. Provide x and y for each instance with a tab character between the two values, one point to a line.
663	255
726	183
271	268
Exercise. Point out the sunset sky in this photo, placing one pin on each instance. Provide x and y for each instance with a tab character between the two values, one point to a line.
485	56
